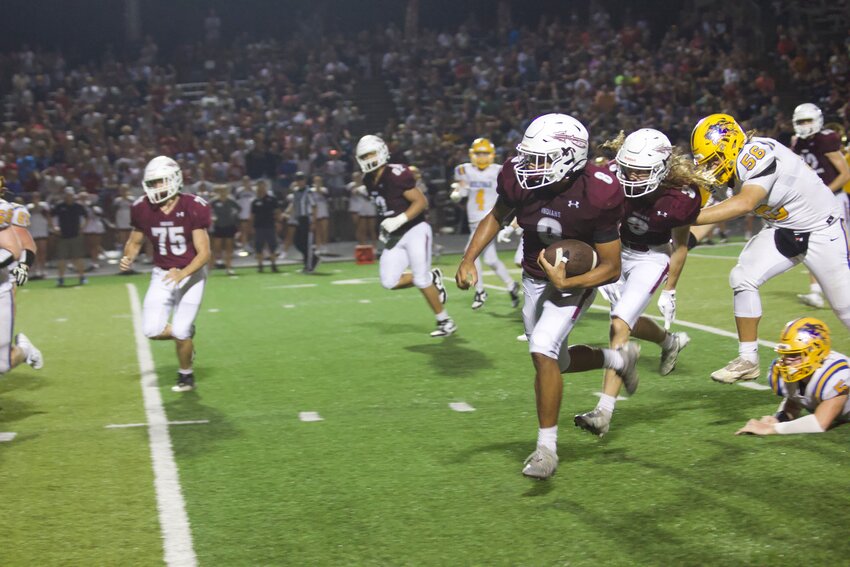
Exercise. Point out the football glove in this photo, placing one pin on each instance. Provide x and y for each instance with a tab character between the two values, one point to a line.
667	306
392	224
21	273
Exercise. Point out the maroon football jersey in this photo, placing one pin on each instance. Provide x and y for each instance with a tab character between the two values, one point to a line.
814	149
171	234
650	223
589	209
388	193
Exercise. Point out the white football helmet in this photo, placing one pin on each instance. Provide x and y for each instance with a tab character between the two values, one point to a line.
643	161
808	120
367	145
553	147
163	179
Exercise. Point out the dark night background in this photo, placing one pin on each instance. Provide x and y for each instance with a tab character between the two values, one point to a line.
83	28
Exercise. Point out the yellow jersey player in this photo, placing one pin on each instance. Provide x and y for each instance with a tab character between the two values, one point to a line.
808	376
475	181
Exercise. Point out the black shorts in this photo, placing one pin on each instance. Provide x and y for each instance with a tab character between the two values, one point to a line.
224	231
265	237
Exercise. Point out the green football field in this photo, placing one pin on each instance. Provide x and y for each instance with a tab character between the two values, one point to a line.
385	472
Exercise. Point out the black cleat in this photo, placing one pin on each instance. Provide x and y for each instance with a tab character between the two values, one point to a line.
185	383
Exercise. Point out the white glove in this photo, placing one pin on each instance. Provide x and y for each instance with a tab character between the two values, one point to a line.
392	224
667	306
505	234
21	274
458	193
611	293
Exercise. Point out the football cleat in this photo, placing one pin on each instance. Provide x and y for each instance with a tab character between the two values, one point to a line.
669	356
811	299
437	279
523	338
737	370
596	422
514	293
185	383
444	328
541	464
33	355
480	298
630	352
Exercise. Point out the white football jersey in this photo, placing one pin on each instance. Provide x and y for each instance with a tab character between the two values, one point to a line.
7	214
796	199
830	380
480	186
20	216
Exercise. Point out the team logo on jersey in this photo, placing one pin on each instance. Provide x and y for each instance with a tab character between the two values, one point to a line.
180	214
575	204
661	213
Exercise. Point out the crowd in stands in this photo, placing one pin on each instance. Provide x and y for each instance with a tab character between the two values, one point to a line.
253	109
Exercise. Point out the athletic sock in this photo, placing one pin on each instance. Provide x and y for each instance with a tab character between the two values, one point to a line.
548	437
749	351
442	316
606	403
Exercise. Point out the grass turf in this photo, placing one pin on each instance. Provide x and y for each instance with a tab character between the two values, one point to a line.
392	475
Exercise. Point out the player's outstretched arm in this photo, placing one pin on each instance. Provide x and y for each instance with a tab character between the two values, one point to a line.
733	207
131	249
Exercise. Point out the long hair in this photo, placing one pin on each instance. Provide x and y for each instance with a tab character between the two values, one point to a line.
683	172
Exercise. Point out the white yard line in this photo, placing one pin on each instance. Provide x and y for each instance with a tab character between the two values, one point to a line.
173	521
7	436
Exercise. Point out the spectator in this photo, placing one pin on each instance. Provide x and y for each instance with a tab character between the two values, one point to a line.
225	217
265	213
69	217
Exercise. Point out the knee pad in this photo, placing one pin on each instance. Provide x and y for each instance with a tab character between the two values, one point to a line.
152	330
422	281
739	281
541	342
181	332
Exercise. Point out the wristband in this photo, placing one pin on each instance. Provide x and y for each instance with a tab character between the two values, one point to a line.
27	257
806	424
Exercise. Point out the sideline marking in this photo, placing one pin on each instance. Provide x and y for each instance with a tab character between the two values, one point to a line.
753	386
364	301
173	521
461	406
126	425
288	305
61	320
310	416
292	286
213	310
7	436
619	398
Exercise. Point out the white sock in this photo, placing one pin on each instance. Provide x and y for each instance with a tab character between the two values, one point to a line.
185	372
612	359
749	351
668	341
548	437
606	403
442	316
815	288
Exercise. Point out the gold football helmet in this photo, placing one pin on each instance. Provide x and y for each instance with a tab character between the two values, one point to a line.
482	153
802	348
716	142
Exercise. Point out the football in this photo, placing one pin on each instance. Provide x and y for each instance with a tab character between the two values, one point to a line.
576	256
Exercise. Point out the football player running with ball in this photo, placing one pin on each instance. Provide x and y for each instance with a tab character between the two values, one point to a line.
476	182
176	223
555	194
805	224
663	198
406	234
807	375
